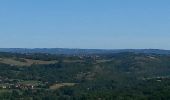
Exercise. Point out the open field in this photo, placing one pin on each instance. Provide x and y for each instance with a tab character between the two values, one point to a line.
60	85
29	62
25	62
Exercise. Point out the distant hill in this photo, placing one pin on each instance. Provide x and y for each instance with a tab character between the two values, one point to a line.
116	76
82	51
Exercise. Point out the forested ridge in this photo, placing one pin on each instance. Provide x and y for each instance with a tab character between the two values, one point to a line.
117	76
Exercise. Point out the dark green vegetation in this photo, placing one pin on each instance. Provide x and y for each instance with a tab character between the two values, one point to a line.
118	76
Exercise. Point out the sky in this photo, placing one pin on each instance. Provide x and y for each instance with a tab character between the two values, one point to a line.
92	24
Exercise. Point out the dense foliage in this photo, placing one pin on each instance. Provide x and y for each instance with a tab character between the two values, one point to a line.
122	76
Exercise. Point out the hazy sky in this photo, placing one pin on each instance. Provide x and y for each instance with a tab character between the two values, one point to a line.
107	24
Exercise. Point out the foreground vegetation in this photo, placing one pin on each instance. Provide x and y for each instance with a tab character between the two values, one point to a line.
121	76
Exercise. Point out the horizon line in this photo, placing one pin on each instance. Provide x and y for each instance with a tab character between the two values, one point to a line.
85	48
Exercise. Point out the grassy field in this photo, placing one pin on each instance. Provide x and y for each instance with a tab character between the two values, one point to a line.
29	62
25	62
60	85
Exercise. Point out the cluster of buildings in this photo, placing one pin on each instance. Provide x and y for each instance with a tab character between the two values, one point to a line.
6	83
16	86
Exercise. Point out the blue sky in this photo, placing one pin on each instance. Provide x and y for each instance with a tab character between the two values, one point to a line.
106	24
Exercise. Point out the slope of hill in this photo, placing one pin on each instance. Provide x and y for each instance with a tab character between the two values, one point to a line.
119	76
